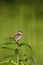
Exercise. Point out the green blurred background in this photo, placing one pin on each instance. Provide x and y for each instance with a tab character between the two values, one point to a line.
25	15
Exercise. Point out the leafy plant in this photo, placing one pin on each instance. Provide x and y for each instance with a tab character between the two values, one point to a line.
19	53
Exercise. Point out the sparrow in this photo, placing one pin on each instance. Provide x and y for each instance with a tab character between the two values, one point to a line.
18	36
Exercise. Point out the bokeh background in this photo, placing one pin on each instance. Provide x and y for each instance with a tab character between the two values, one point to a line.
25	15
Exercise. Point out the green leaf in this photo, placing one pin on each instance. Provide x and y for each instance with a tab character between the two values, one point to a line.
25	45
9	43
26	59
30	58
16	51
20	60
7	61
8	48
10	38
22	63
9	56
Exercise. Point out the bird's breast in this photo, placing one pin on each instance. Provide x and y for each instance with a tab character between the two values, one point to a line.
18	37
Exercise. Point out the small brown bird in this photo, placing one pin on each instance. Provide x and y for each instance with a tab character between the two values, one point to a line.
18	36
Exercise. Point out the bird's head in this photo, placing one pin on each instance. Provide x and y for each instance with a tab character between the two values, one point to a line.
20	32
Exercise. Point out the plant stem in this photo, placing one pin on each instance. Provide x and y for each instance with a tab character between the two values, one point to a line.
17	59
18	55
